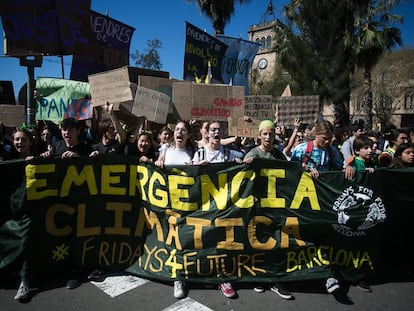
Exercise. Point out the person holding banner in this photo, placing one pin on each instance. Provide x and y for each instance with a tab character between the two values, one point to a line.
180	152
215	152
268	150
404	156
144	148
204	137
23	144
317	156
71	145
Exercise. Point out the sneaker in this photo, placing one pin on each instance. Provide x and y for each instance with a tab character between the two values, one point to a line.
332	285
281	291
23	291
73	282
259	289
97	275
227	290
364	286
179	289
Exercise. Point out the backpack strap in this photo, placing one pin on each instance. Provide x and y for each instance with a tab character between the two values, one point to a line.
308	152
226	154
201	151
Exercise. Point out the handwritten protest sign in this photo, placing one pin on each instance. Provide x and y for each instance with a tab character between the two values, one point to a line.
151	104
110	86
60	97
113	39
208	101
80	110
259	107
304	107
240	127
12	115
200	50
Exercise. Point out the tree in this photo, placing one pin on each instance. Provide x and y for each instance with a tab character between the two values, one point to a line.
390	85
150	59
373	35
218	11
312	50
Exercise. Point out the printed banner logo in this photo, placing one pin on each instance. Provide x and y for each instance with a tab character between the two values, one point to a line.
346	204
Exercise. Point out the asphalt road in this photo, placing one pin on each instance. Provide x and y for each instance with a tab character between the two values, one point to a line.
132	293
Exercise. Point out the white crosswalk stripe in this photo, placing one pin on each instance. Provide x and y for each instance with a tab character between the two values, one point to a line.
117	285
187	304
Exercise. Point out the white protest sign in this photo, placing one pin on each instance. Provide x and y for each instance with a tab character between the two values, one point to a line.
111	86
259	107
240	127
151	104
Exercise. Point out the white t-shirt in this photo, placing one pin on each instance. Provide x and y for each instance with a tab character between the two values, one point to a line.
176	156
213	156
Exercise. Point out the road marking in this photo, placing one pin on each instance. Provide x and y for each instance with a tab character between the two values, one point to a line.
187	304
117	285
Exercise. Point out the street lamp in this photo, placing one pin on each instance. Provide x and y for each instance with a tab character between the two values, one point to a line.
30	62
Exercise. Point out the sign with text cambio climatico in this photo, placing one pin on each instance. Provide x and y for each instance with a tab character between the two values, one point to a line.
208	101
111	86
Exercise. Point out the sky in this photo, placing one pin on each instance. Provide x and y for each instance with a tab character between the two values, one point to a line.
165	20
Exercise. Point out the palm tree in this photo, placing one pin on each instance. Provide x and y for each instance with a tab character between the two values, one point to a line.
372	36
218	11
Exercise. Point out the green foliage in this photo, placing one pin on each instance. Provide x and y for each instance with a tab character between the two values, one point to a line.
218	11
150	59
311	49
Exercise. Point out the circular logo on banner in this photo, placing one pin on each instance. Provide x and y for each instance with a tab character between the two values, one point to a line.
358	209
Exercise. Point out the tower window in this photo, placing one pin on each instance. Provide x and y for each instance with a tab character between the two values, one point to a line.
268	42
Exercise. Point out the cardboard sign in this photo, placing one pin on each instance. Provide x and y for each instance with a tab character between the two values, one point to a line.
12	115
208	101
304	107
111	86
240	127
259	107
163	85
151	104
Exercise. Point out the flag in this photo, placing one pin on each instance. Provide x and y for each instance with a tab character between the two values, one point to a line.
46	27
113	49
200	50
238	61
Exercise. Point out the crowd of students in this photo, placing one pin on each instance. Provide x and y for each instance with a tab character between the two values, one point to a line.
318	148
